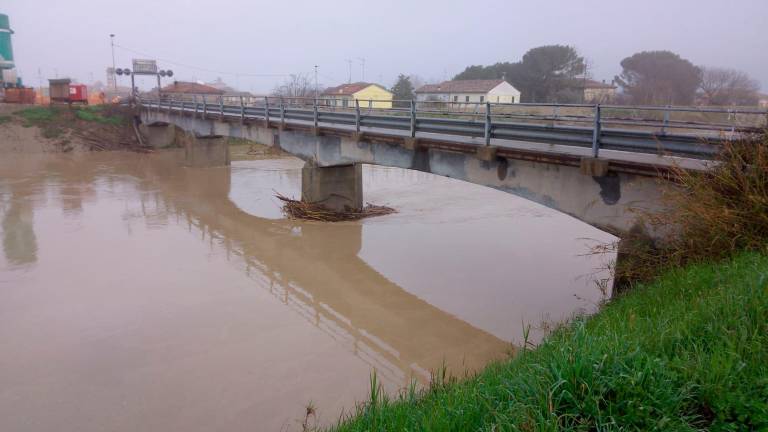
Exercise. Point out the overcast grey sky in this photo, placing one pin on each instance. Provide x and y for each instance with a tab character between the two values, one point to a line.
432	38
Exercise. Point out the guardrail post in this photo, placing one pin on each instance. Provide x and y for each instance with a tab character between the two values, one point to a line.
194	101
357	115
266	111
205	108
282	111
413	118
182	106
487	123
221	107
314	107
242	110
665	123
596	132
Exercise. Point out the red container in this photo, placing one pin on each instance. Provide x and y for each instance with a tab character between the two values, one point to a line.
78	93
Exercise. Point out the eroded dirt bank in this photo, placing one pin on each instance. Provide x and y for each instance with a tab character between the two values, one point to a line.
31	129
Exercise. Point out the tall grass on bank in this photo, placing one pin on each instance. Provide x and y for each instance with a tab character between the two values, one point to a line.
687	352
711	215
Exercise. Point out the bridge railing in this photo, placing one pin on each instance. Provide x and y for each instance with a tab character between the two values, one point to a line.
687	131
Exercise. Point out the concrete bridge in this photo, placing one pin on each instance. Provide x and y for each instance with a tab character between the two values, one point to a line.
600	189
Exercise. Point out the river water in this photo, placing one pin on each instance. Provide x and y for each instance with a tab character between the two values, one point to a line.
139	295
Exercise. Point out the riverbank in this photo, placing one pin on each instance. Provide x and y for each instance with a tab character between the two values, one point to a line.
30	129
686	352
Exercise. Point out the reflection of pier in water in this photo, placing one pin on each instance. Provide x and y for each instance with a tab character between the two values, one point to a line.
315	270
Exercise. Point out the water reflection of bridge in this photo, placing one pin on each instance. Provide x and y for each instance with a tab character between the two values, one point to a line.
314	269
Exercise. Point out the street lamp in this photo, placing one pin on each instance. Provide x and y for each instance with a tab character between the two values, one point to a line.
114	78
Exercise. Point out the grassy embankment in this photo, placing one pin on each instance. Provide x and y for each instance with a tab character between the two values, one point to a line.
97	127
685	348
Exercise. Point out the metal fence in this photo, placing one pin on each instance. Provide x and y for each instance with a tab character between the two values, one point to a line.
687	131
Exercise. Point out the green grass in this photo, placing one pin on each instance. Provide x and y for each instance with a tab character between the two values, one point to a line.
96	114
37	116
686	352
5	119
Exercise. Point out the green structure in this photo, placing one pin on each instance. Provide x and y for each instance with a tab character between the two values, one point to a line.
6	50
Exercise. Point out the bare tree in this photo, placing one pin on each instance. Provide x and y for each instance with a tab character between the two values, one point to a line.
296	86
721	86
416	80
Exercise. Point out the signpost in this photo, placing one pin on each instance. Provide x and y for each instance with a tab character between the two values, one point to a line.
144	67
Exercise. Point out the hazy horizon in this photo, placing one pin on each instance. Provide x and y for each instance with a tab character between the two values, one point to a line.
253	45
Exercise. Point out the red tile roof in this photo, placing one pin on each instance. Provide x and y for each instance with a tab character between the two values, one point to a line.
461	86
191	88
347	89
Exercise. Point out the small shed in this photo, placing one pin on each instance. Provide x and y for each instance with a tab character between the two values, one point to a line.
59	89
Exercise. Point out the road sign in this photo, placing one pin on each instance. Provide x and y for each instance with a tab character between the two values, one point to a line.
144	67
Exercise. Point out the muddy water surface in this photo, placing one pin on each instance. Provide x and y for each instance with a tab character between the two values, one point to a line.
138	295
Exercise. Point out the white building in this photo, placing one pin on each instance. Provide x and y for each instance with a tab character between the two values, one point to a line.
473	91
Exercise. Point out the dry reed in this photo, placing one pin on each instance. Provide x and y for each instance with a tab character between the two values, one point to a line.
295	209
711	215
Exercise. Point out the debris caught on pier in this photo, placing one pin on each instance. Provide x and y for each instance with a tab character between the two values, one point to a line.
296	209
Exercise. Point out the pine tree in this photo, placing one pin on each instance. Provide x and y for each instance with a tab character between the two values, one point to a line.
402	91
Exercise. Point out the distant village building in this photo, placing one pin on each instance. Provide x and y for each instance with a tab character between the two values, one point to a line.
598	92
762	100
476	91
183	90
368	95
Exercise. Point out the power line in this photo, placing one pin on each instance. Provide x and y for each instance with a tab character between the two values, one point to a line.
197	67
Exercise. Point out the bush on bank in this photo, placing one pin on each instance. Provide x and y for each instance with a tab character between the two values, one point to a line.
686	352
712	214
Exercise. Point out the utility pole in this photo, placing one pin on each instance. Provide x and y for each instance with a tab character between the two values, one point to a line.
112	43
349	63
315	83
362	63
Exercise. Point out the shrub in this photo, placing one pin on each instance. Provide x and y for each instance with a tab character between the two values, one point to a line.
711	214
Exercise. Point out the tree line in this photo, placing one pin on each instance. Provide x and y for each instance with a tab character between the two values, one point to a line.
556	73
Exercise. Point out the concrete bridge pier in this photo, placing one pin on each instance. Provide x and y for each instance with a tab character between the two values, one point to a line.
160	135
335	187
206	151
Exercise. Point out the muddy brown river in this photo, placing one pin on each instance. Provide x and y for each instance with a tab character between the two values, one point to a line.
136	295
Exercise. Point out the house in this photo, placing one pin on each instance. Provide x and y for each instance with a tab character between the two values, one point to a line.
369	95
762	100
598	92
183	90
475	91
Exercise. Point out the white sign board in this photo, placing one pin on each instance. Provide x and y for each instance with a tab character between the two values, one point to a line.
148	67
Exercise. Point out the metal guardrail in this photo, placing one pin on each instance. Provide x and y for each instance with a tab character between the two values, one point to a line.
488	121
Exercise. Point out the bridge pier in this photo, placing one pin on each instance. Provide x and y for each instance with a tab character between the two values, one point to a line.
336	187
161	135
206	151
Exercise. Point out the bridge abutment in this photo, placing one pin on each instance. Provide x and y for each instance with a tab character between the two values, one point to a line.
336	187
